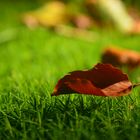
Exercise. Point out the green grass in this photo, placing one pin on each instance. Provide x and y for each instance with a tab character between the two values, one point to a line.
31	62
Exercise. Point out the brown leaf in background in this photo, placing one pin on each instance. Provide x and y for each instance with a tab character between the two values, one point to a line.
121	57
101	80
83	34
82	21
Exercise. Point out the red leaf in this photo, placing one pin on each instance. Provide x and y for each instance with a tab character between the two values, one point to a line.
102	80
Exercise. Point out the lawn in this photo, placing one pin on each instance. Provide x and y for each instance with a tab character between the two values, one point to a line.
32	61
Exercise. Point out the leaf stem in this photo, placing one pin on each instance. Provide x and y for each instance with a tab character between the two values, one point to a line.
135	85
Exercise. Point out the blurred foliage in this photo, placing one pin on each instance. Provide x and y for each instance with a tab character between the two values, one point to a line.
135	3
74	3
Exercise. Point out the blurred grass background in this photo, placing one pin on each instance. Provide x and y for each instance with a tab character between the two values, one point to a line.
31	62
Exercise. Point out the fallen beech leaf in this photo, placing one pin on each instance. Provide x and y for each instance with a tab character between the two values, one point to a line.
49	15
121	57
101	80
